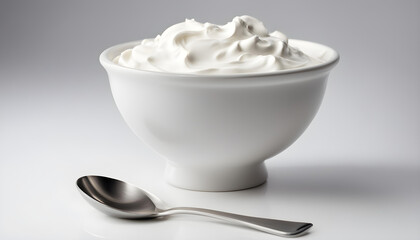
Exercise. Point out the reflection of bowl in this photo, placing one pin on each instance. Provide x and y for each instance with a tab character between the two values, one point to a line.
216	131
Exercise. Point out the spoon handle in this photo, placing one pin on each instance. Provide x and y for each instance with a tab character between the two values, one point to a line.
273	226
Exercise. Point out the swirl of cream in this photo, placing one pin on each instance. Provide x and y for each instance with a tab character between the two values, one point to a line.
243	45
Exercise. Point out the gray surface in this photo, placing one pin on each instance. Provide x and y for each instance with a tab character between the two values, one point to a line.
56	108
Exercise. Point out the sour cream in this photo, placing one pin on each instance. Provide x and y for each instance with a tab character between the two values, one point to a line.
243	45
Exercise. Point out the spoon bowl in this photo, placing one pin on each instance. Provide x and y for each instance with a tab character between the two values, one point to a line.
122	200
117	198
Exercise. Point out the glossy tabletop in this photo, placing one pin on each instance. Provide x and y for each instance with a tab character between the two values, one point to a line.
354	173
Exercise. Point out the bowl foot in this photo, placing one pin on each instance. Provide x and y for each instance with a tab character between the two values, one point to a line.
216	179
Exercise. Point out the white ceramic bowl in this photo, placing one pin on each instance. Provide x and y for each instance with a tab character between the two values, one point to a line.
216	131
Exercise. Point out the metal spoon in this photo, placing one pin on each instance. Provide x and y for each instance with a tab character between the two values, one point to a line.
120	199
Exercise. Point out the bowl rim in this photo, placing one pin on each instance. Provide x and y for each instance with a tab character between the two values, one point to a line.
107	56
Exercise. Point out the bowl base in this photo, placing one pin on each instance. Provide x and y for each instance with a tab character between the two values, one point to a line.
216	179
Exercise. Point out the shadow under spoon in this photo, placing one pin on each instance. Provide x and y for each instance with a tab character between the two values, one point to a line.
122	200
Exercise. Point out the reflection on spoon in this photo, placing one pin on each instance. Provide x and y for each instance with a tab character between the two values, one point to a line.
119	199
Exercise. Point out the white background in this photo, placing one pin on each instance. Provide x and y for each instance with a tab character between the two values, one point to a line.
354	173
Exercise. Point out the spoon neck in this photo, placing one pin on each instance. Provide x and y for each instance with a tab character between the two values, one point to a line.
171	211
